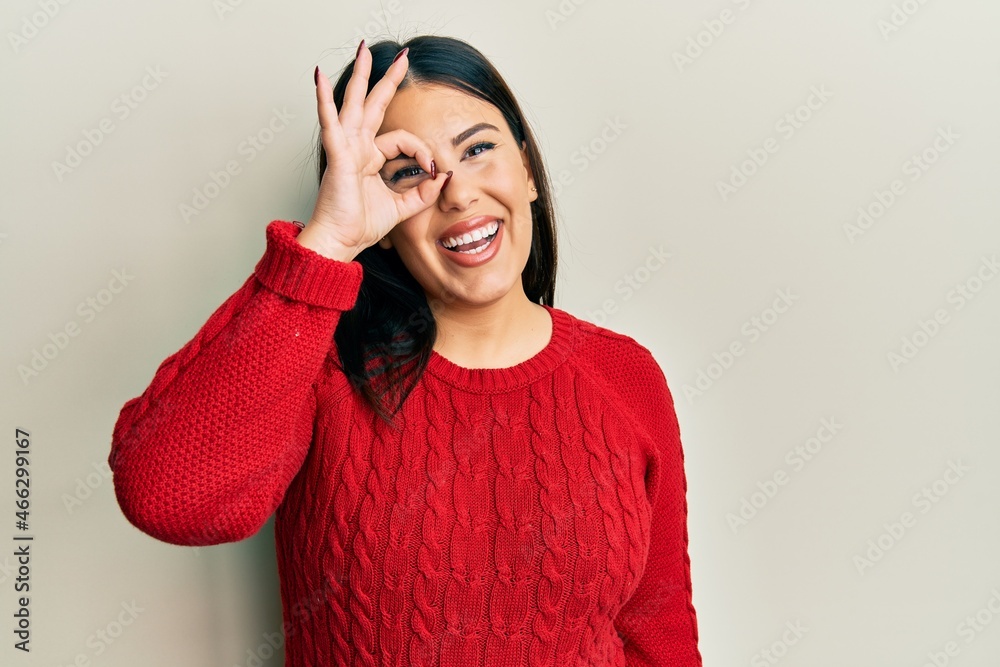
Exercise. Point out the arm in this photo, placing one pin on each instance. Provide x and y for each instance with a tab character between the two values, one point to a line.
206	453
658	625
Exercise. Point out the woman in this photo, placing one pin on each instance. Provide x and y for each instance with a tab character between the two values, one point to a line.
462	474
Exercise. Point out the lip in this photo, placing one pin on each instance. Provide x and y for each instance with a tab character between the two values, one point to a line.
470	261
465	226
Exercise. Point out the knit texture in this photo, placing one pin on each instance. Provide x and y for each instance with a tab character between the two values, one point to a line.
533	515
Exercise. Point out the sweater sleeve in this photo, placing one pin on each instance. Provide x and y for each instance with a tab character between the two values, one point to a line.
206	453
658	625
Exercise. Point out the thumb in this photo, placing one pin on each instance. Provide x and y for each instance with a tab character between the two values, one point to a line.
417	199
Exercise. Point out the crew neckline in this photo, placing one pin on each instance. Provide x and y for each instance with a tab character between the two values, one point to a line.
484	380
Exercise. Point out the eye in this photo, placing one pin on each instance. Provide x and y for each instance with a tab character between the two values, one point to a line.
485	145
416	169
405	172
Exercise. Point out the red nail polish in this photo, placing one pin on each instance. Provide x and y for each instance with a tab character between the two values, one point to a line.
433	169
316	75
358	52
400	54
445	184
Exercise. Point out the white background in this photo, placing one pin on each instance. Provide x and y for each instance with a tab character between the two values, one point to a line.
667	107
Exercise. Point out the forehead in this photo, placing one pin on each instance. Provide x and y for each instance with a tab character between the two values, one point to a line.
436	113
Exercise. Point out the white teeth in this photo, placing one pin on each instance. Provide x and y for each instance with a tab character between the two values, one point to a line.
474	235
474	251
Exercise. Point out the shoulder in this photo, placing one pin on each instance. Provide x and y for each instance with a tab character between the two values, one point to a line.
627	368
612	353
630	376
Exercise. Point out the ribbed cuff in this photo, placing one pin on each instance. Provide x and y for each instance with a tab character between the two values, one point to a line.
302	274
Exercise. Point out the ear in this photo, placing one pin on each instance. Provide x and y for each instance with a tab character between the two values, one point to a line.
532	194
385	243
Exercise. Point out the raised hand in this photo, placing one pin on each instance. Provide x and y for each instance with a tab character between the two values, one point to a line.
355	207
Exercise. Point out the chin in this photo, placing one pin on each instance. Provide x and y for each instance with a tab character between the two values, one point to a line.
483	289
479	295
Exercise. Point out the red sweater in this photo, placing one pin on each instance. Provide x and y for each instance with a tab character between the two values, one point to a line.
525	516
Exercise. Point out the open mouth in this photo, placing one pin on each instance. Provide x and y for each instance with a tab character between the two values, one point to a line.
475	242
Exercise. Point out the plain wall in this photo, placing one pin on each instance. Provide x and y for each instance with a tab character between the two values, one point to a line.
827	367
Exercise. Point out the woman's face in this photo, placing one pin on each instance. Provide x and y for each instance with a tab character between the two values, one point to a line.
492	181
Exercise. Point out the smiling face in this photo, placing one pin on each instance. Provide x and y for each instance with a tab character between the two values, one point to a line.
491	183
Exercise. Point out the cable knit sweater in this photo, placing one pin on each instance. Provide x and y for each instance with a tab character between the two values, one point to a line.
533	515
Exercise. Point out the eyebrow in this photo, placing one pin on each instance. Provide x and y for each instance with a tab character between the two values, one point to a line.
459	138
462	136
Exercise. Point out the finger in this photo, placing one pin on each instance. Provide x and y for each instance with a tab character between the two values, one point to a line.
416	199
382	92
331	133
352	110
391	144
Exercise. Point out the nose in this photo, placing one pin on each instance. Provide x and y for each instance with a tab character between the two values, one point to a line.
459	193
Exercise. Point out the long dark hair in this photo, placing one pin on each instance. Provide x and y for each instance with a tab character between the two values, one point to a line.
385	340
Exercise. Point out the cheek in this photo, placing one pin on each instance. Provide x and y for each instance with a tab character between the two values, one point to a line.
411	229
505	178
410	242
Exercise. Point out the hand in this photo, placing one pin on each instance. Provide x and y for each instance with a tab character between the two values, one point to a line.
355	207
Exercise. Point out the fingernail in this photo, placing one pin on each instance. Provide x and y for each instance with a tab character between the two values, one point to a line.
360	46
445	184
433	169
316	75
400	54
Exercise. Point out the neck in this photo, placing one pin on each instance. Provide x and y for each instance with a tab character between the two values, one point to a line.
494	335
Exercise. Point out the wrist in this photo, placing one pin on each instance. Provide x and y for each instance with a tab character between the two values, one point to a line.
322	244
